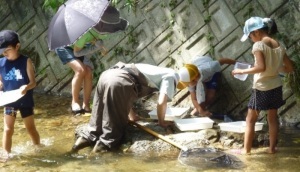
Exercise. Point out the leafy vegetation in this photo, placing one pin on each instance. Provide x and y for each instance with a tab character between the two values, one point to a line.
290	38
53	4
293	79
209	36
130	4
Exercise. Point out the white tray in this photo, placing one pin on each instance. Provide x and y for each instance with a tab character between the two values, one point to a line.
239	65
171	113
239	126
190	124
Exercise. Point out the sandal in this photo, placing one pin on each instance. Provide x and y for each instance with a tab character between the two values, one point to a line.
76	110
87	111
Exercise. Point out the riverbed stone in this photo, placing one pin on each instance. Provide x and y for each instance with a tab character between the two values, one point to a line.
140	142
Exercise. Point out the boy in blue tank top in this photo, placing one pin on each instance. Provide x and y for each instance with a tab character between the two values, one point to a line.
16	72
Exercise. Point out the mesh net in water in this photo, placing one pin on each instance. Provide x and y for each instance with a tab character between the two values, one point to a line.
208	158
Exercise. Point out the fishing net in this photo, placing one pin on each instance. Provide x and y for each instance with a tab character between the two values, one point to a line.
209	158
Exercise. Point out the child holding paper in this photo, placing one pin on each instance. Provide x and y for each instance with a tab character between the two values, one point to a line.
16	72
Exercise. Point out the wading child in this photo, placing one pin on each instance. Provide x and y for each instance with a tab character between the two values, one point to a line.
270	58
16	72
75	56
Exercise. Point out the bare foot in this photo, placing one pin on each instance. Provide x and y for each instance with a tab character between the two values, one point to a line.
4	158
240	152
134	117
271	151
38	148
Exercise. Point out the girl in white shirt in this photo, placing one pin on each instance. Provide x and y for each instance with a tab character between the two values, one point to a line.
270	59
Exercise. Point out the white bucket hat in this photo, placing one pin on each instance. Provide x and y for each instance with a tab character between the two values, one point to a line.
252	24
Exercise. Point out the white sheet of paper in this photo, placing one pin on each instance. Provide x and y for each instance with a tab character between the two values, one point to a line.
9	96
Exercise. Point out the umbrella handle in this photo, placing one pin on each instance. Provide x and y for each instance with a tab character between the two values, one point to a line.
166	139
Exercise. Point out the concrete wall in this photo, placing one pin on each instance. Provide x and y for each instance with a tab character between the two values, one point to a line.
165	33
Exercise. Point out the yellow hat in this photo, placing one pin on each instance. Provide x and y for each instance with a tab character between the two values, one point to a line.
187	73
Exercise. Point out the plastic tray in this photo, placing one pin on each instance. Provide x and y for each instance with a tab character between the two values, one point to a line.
190	124
171	113
239	126
239	65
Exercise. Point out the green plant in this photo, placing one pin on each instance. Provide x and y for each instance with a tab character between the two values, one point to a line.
293	79
172	20
171	62
290	38
130	4
250	11
132	37
53	4
118	51
209	36
173	4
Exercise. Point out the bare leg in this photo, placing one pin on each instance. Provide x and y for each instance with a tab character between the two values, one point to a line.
273	129
226	61
79	73
249	131
8	132
31	129
87	88
210	95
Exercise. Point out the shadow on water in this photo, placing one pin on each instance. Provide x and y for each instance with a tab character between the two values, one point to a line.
56	126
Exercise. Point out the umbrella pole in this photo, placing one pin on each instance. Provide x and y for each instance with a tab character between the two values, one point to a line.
166	139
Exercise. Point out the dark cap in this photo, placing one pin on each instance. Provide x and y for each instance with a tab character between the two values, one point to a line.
7	38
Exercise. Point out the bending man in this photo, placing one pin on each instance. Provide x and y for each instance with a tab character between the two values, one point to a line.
117	89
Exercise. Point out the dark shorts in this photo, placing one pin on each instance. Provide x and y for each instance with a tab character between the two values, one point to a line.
66	55
25	112
213	83
265	100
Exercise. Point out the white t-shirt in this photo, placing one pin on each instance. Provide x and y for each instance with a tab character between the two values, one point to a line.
269	79
164	79
207	68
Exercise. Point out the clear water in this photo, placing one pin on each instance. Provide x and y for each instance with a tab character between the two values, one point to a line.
56	127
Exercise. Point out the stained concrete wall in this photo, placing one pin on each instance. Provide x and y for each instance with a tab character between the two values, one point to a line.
165	33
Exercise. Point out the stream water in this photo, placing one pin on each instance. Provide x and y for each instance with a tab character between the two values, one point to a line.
56	126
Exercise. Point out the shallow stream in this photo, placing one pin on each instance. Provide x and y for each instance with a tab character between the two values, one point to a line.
56	126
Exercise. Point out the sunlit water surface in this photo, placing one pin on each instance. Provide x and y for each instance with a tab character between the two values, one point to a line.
56	126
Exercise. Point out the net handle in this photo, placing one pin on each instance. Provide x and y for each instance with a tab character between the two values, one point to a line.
166	139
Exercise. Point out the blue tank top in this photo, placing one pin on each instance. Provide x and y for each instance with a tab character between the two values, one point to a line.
14	75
